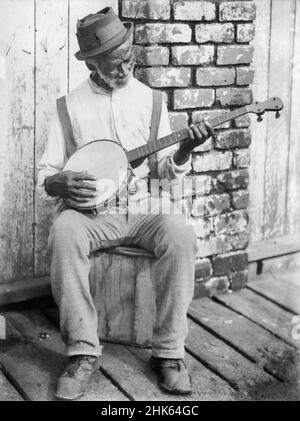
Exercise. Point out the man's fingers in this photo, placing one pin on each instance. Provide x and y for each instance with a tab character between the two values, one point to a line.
83	185
203	131
191	134
197	132
82	193
83	176
209	129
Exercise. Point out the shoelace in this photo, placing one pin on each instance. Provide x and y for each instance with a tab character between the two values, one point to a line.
177	364
76	363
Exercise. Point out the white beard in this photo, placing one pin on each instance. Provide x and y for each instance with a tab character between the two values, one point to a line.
113	82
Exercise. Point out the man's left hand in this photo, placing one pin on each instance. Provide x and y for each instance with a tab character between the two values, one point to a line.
198	134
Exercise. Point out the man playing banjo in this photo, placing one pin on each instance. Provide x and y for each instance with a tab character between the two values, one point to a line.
112	104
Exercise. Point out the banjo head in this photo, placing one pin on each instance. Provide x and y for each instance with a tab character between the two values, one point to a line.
107	161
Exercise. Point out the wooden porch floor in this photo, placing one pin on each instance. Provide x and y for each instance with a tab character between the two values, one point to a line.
241	346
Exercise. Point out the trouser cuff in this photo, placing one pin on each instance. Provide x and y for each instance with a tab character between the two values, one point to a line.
169	353
83	349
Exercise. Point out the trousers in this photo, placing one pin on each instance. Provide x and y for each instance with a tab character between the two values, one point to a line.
75	235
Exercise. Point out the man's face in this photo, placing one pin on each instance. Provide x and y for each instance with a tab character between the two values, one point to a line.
115	67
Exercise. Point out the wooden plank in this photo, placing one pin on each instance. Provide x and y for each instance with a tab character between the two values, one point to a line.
12	292
283	293
134	375
259	131
281	263
280	77
128	372
41	350
51	83
273	247
292	276
274	355
206	385
16	134
78	71
247	377
7	392
263	312
293	197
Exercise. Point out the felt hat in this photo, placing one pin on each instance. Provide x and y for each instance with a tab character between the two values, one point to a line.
100	32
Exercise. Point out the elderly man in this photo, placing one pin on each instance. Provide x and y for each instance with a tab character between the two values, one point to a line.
112	104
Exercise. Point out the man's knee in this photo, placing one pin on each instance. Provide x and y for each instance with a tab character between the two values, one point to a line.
178	233
67	230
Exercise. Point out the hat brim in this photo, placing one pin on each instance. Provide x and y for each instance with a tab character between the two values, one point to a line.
114	43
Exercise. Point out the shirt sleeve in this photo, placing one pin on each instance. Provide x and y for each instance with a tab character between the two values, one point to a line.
54	157
166	166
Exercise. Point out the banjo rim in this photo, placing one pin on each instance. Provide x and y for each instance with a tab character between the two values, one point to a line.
123	185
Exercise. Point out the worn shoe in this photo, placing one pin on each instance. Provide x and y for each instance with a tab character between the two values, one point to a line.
173	376
73	381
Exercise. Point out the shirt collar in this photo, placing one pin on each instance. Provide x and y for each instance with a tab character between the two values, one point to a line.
97	89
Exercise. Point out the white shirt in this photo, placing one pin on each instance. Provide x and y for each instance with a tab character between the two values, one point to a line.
124	115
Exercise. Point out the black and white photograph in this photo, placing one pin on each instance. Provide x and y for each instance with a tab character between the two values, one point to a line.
149	203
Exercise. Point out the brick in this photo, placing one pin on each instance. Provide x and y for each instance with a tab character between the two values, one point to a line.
230	223
197	116
241	158
210	205
226	263
193	186
192	54
242	122
203	228
214	76
159	77
145	9
214	286
193	98
213	245
152	56
212	161
239	240
237	10
194	10
233	180
240	199
178	120
233	139
202	269
214	32
234	54
216	204
245	32
157	33
228	97
238	280
244	75
205	147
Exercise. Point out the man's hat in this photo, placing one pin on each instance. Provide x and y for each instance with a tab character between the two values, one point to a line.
101	32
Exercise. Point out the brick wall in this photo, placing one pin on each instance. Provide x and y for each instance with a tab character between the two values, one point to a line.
198	53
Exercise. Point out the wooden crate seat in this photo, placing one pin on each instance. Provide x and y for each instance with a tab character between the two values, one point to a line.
123	293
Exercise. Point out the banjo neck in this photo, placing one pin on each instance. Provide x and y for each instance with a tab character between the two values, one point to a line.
259	108
179	136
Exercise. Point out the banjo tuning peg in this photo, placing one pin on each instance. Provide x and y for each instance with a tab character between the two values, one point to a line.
259	118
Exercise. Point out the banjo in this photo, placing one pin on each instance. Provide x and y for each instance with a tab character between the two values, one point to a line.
114	172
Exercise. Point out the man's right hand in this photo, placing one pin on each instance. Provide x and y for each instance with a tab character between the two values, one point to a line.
71	185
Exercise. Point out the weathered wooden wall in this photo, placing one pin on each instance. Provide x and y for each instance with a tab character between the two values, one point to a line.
275	149
37	64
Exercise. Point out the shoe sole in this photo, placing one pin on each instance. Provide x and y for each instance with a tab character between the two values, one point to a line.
64	398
